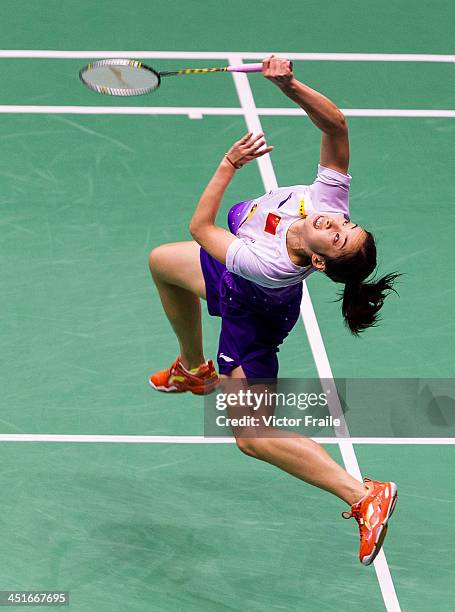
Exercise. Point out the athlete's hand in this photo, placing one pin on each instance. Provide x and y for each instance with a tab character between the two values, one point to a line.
278	70
247	149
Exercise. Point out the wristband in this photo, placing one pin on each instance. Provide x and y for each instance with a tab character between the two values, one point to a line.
231	162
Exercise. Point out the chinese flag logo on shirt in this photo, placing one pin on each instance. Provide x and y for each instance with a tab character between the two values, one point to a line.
271	223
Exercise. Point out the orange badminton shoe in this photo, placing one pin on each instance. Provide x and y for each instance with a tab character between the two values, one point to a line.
178	379
372	513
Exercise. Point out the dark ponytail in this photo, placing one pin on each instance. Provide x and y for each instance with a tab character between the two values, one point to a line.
361	301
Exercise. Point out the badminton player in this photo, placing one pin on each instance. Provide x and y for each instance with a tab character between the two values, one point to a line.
251	277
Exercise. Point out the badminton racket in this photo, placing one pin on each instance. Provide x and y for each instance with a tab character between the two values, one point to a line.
124	77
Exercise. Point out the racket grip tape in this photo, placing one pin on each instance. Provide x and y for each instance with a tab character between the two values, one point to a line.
245	68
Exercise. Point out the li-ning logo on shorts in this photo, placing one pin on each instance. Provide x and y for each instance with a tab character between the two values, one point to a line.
271	223
225	357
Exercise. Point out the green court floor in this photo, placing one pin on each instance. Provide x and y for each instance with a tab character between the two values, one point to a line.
192	527
84	198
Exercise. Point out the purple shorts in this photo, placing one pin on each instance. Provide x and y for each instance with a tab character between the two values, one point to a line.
254	320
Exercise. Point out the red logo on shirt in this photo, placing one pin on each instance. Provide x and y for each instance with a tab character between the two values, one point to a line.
271	223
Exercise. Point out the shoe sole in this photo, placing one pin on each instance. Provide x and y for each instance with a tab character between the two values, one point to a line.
383	529
196	391
165	389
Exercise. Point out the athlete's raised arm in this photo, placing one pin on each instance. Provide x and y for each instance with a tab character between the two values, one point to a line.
322	112
212	238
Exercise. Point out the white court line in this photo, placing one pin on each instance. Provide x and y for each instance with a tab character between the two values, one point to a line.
195	112
120	110
366	112
217	55
125	439
314	336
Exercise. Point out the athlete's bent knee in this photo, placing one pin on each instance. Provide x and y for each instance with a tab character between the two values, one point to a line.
156	258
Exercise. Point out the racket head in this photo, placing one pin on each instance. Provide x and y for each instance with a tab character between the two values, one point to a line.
120	77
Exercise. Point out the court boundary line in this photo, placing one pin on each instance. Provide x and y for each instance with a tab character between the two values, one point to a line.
195	112
224	55
315	340
153	439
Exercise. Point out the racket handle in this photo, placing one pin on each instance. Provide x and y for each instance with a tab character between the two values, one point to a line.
245	68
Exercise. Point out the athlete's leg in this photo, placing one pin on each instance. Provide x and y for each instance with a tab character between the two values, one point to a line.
299	456
177	273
